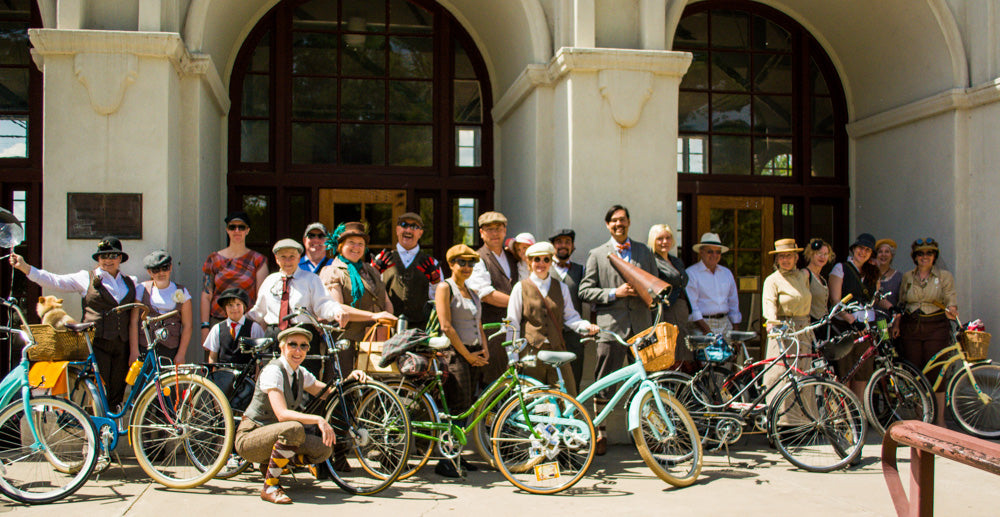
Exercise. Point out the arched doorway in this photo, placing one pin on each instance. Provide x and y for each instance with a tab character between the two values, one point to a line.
360	109
762	147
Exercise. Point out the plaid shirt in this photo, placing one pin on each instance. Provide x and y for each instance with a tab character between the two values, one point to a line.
225	273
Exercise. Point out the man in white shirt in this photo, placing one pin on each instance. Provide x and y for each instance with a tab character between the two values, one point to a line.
712	289
410	275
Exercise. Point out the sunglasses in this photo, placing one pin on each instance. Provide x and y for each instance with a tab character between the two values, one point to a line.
816	245
921	242
923	253
158	269
109	256
238	227
465	262
545	259
300	346
315	236
414	226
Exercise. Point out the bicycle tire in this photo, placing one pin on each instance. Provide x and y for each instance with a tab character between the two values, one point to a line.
419	409
975	417
892	395
484	427
196	446
29	475
520	454
674	457
828	436
373	437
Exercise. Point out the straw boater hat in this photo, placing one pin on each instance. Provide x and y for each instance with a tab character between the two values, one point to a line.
709	239
785	246
539	249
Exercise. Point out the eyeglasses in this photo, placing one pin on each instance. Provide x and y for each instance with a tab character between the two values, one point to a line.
349	244
300	346
109	256
546	259
921	242
465	262
158	269
405	225
238	227
923	253
315	236
708	251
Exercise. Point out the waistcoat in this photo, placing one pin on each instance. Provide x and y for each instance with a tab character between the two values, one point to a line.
172	324
499	280
260	410
536	324
407	287
97	305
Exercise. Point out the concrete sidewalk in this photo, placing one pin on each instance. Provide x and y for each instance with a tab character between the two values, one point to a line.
758	482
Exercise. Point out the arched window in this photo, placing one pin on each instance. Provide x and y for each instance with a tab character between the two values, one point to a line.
359	109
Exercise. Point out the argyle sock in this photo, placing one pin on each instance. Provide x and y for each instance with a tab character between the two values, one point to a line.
280	456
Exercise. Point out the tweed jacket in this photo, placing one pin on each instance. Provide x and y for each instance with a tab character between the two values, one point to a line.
624	316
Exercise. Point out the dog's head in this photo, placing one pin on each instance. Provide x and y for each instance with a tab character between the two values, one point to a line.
47	303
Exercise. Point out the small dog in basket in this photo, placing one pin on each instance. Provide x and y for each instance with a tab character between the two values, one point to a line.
50	310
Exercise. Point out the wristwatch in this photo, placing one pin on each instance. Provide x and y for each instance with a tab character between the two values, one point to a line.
205	324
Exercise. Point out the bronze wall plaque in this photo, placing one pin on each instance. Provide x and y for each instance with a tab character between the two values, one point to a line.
95	215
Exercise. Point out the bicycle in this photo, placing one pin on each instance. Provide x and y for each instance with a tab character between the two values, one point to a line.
815	423
48	445
555	425
371	425
181	426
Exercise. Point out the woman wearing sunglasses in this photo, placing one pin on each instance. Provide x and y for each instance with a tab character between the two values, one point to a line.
460	312
162	295
103	289
540	306
925	329
235	266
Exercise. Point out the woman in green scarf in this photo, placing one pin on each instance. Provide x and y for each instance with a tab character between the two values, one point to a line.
352	281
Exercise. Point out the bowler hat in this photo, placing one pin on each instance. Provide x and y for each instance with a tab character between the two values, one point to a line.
234	293
110	244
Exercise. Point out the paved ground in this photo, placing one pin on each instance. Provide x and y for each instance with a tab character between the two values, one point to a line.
758	482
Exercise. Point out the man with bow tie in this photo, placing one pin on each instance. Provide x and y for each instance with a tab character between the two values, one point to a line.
614	300
570	273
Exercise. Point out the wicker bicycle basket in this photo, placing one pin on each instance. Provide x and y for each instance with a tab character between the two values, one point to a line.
658	355
976	345
57	345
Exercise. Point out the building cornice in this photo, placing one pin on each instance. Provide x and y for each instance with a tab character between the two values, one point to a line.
957	99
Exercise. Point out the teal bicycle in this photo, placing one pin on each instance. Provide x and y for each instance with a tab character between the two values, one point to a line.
48	446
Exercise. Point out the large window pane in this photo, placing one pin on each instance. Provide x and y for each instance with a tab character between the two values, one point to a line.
821	221
468	102
256	96
314	53
730	155
381	225
772	114
823	165
731	113
258	208
411	146
254	141
362	144
362	99
692	111
773	156
426	211
772	73
768	35
363	55
730	29
730	71
697	74
411	101
463	65
314	97
411	57
723	222
692	31
314	142
409	17
14	136
822	116
748	263
14	89
14	43
817	81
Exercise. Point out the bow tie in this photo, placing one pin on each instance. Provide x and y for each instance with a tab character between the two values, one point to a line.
563	264
625	246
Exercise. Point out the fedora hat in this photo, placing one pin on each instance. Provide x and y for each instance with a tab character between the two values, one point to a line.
110	244
785	246
352	229
709	239
234	293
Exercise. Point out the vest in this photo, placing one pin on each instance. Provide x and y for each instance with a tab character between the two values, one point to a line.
229	348
854	285
407	287
172	324
536	323
499	280
97	305
260	410
373	299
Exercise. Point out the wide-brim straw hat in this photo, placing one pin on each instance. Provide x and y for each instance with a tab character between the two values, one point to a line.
710	239
785	246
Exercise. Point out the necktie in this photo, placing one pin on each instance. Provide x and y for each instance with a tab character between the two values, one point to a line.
295	386
232	329
283	310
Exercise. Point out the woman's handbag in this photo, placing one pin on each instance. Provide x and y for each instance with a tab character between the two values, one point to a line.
369	357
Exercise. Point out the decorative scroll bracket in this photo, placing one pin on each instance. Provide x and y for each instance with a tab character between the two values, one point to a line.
106	76
626	92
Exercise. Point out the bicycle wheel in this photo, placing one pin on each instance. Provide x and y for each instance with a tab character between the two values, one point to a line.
419	409
545	445
977	416
484	428
817	424
672	452
29	474
893	395
373	438
238	391
182	430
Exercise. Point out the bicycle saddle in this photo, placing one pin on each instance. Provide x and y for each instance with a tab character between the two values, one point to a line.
738	335
79	327
439	343
555	359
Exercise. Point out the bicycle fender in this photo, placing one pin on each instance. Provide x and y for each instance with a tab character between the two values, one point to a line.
11	384
634	403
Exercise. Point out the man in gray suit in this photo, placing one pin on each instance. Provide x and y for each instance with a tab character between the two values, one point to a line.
570	273
618	307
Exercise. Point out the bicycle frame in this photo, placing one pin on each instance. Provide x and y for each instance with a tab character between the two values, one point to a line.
949	356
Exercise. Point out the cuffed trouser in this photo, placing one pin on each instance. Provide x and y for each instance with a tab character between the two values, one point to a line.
255	442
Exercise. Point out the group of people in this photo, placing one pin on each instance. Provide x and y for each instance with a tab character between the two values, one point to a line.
532	283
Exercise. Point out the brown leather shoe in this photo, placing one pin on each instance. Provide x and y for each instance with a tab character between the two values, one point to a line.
601	446
276	496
